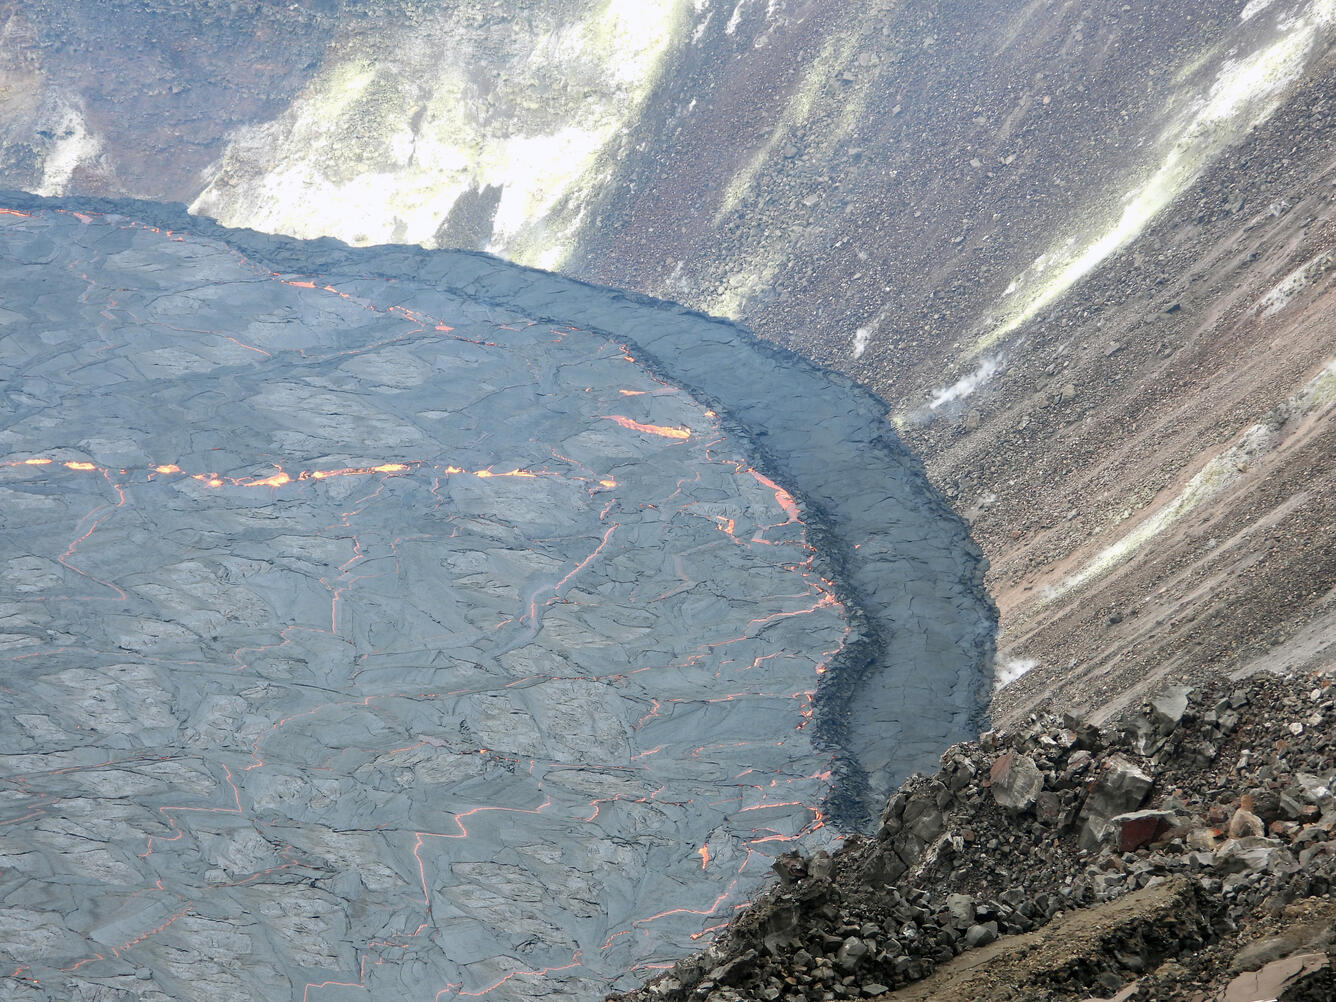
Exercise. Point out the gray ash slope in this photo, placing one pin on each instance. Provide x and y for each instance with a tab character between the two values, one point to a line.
261	750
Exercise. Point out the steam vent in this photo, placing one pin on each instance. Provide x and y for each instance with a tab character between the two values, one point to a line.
407	624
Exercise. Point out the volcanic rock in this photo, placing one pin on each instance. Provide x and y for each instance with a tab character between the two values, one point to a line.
1119	787
1169	706
1015	781
1139	828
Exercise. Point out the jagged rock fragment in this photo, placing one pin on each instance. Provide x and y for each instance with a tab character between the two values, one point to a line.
1016	781
1120	787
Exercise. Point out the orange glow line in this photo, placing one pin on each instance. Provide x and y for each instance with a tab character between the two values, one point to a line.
153	932
15	212
663	431
86	960
248	347
705	932
704	853
575	962
64	558
32	814
772	838
300	285
167	468
80	466
690	911
358	471
277	480
556	588
762	807
632	393
37	462
783	497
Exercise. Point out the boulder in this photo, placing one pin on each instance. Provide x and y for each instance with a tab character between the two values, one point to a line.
961	909
1201	839
1253	854
853	951
735	971
1133	830
1142	736
821	865
1315	789
981	935
1245	824
1016	781
1120	786
1050	811
790	866
924	819
1169	708
1087	734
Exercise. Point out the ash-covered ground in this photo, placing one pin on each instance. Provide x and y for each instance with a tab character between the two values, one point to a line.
363	638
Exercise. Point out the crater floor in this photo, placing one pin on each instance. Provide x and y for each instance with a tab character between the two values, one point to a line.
363	639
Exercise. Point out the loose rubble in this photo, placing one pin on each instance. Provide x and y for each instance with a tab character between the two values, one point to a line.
1217	801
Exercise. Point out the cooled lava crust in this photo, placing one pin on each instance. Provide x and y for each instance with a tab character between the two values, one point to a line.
411	623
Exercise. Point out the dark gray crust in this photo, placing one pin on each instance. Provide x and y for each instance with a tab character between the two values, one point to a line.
916	675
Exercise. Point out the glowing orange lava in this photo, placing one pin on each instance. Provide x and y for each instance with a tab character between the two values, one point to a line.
783	497
704	853
354	471
277	480
663	431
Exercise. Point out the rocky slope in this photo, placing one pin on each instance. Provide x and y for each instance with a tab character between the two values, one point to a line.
1188	853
